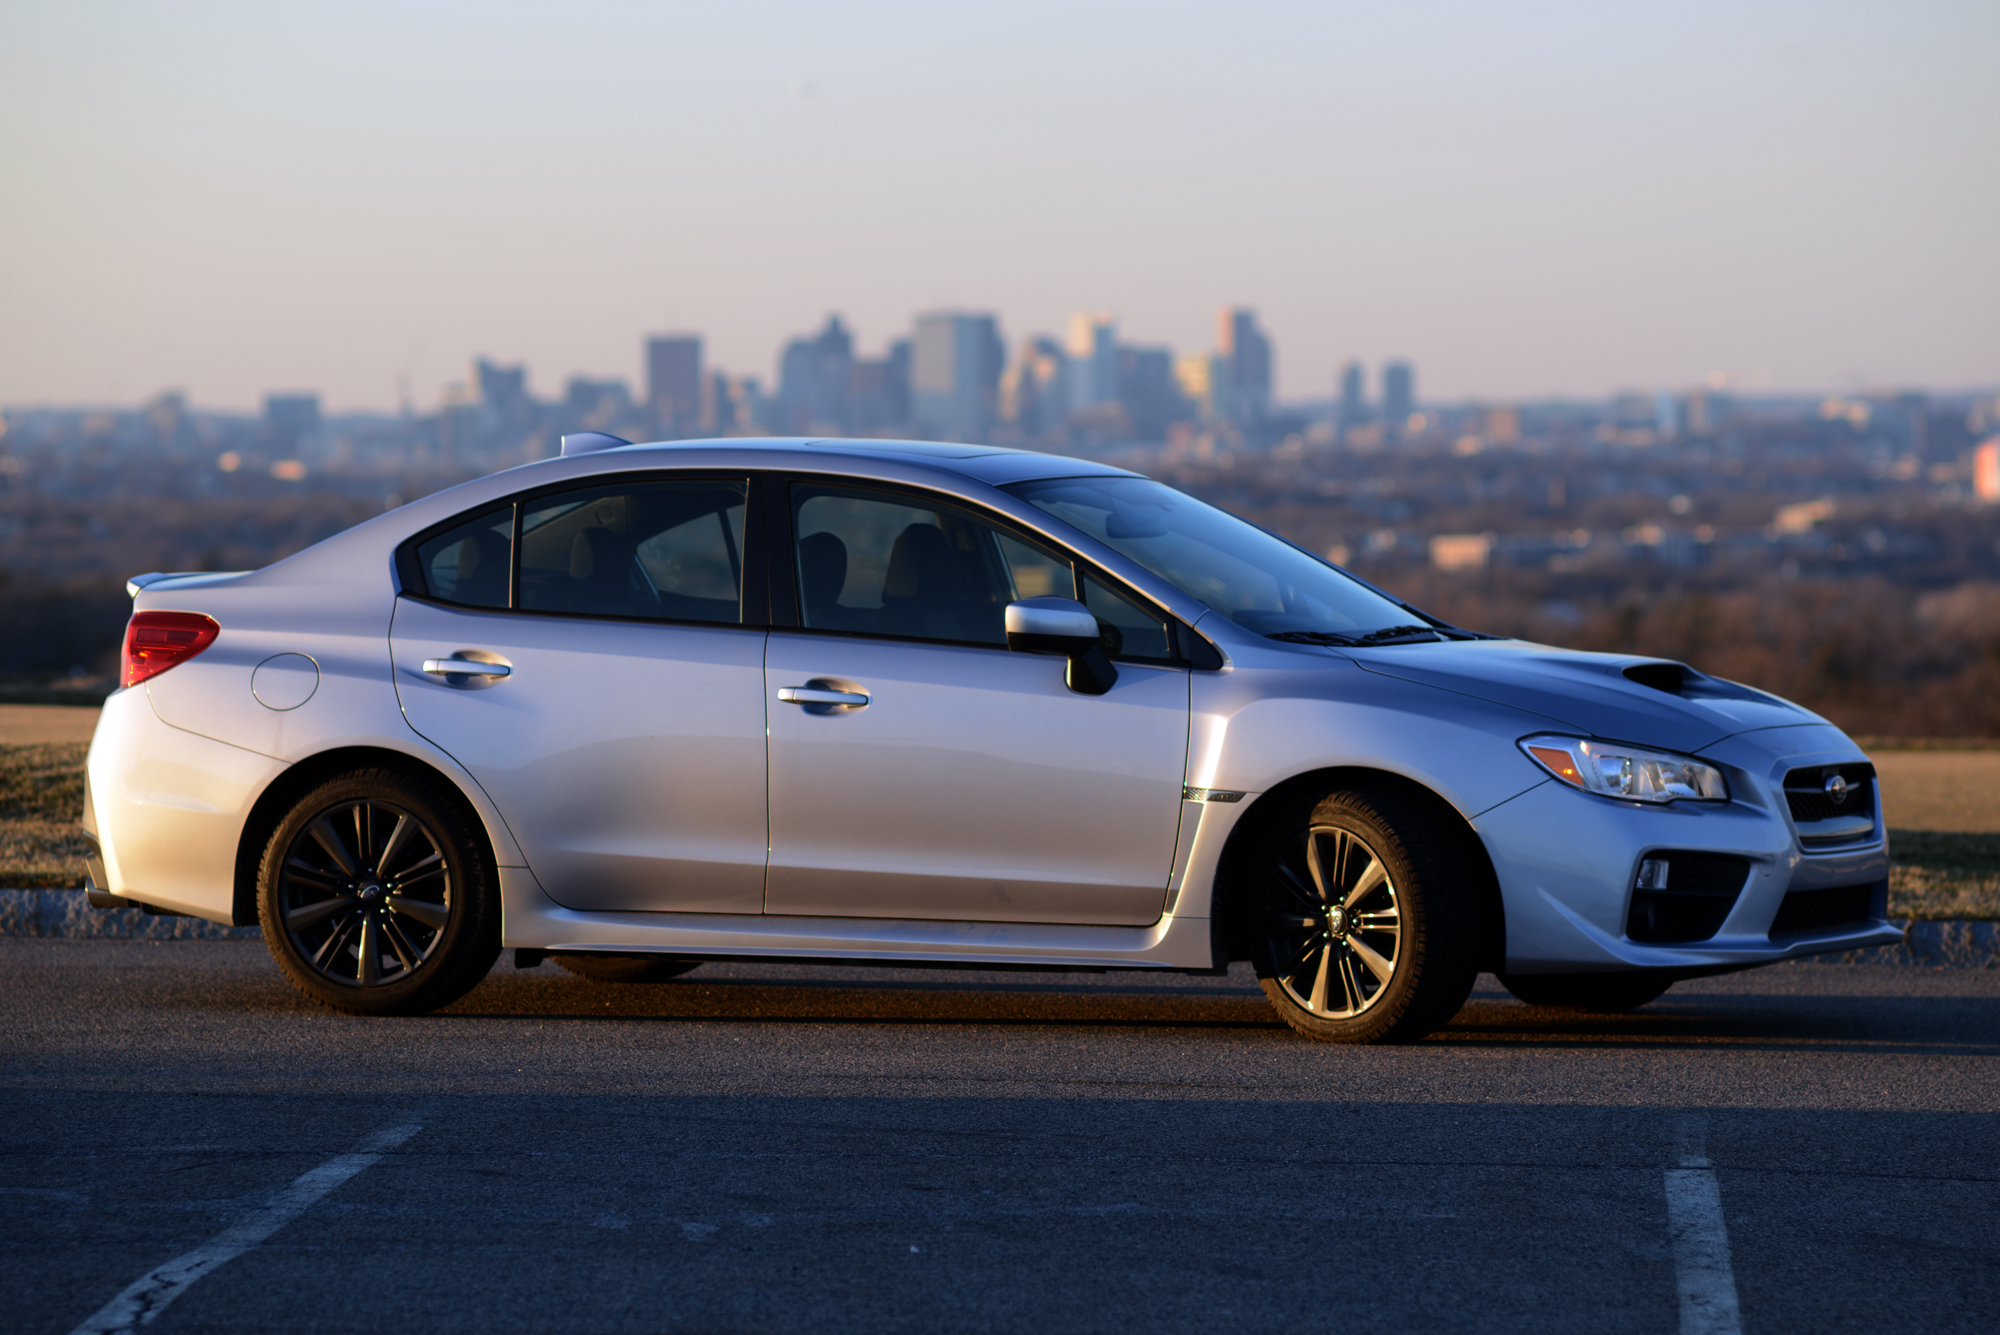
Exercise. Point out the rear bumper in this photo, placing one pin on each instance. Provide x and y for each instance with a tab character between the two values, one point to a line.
168	807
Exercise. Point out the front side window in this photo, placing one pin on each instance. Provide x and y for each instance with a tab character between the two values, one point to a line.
1258	581
657	550
879	563
883	564
1128	630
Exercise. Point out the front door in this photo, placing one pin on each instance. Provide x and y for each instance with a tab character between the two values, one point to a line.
972	785
624	746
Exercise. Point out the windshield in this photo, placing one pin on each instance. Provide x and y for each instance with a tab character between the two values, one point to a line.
1261	582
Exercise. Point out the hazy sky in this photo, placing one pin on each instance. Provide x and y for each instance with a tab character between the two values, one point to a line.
1526	199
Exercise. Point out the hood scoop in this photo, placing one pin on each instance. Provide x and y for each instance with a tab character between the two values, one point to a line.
1669	677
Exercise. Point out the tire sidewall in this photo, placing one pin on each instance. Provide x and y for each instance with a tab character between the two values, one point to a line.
1437	912
470	942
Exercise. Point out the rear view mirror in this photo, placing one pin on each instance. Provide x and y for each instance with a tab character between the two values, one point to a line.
1066	628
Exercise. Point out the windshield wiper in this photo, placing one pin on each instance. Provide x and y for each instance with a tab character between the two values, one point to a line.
1330	638
1342	640
1401	635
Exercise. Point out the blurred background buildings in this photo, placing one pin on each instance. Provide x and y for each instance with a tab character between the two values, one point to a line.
1842	548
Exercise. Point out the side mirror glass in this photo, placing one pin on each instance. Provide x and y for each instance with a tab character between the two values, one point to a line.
1066	628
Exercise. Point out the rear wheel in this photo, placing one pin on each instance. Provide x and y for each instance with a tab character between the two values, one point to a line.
377	897
602	968
1365	919
1603	993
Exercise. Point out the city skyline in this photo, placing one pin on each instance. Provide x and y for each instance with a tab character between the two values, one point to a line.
1558	199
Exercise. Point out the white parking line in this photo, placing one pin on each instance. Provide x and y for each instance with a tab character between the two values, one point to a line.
1700	1238
148	1296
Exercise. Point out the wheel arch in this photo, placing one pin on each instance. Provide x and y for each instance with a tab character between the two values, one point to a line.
300	778
1231	889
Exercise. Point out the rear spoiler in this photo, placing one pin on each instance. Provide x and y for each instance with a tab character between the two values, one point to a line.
134	585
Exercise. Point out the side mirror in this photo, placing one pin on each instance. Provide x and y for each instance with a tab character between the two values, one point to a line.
1063	627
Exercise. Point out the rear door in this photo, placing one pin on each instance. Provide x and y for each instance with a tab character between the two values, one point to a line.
583	654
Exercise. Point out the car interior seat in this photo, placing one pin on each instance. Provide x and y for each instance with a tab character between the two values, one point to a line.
482	570
930	591
600	574
822	575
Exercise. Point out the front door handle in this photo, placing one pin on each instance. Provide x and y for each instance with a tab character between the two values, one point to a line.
816	695
465	667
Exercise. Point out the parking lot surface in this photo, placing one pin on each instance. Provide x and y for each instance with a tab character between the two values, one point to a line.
828	1149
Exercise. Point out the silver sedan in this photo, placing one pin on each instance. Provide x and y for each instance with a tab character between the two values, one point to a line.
644	706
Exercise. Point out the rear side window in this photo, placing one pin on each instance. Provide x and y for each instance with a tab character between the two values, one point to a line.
666	550
471	564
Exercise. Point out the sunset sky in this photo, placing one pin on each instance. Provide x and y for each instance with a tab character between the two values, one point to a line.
1525	199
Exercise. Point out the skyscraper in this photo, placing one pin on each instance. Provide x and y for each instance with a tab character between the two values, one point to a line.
1353	395
290	420
673	383
1399	396
815	380
1247	353
1093	360
1147	390
955	364
1034	392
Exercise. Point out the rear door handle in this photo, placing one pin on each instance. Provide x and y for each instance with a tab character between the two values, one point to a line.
814	695
465	667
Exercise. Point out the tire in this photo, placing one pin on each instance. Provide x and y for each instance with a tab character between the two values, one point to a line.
1364	918
1600	993
602	968
378	897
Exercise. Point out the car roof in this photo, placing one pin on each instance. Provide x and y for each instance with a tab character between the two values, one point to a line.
995	465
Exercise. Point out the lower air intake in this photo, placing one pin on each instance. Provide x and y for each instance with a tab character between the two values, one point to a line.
1819	912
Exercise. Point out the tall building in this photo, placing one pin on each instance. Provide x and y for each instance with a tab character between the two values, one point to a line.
502	388
1353	395
878	393
1093	361
1399	396
1247	353
1147	390
597	405
1034	392
1202	378
290	421
815	382
955	364
673	384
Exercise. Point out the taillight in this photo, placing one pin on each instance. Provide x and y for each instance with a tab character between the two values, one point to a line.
156	641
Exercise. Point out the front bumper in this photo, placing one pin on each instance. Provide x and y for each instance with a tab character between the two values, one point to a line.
1567	861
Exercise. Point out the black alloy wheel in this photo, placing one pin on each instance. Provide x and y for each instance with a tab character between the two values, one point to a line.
377	897
1362	918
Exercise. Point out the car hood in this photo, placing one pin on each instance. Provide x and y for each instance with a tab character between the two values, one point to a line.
1646	701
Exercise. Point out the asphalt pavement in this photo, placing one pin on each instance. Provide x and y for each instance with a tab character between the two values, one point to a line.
189	1146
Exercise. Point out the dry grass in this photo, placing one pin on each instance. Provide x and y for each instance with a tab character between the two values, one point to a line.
41	801
1936	874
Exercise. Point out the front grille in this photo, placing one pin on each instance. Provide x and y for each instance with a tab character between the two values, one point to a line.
1821	820
1813	912
1700	890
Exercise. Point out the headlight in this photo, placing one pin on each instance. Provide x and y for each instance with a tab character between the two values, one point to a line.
1630	773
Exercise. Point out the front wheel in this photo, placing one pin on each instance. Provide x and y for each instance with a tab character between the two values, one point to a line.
1365	919
1598	993
377	897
